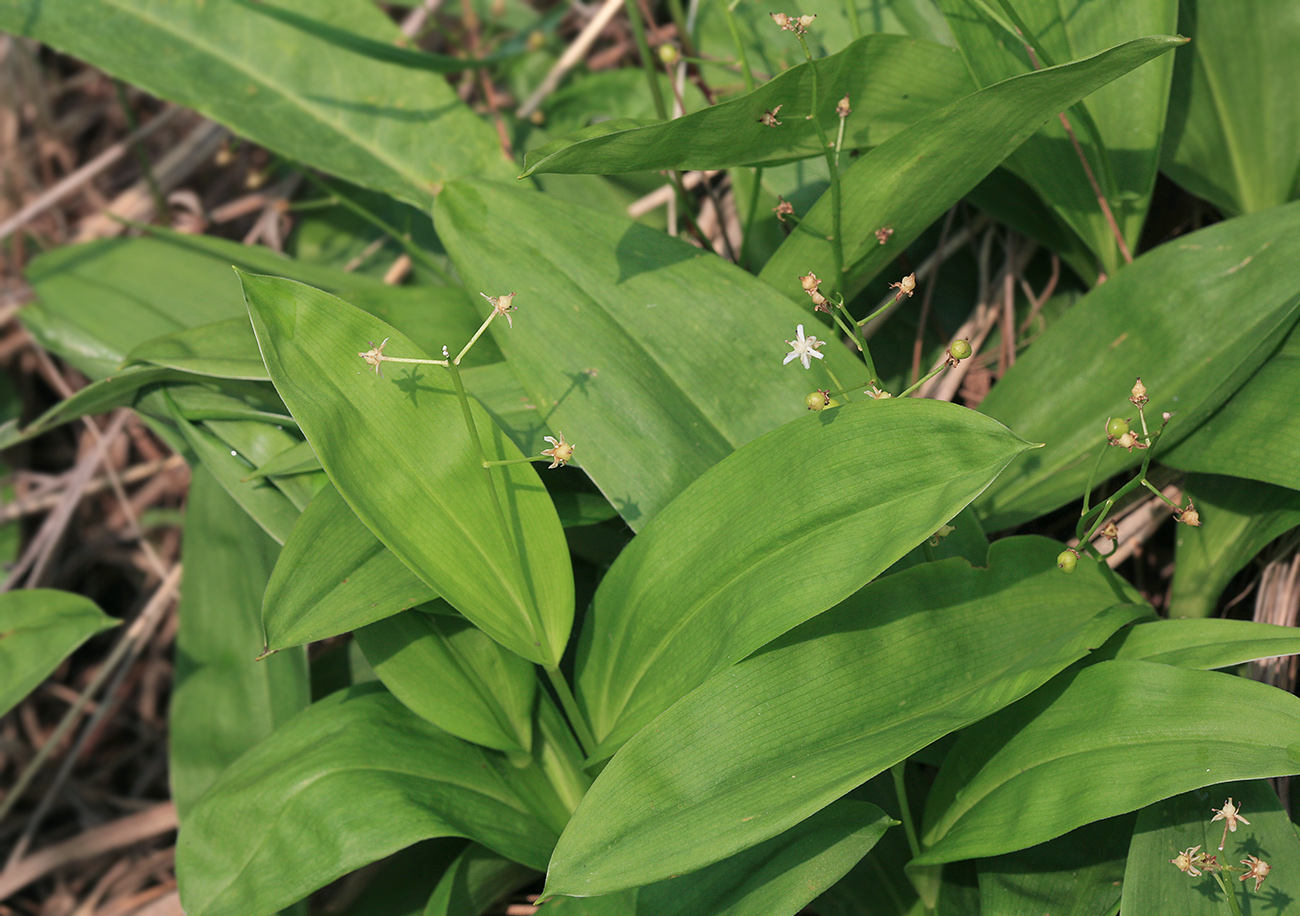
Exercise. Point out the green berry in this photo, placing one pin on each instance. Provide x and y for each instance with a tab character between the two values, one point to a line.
1116	427
1067	561
817	400
960	349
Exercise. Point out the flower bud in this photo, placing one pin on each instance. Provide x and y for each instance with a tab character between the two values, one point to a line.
1067	560
809	282
781	19
806	21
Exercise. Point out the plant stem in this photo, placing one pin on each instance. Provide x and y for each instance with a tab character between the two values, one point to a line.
900	789
836	237
582	731
647	59
929	375
855	24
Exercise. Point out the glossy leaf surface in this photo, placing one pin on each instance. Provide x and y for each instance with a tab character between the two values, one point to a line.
1236	279
39	628
747	552
371	778
1120	735
333	576
446	670
418	483
225	700
781	735
911	179
669	359
367	120
891	81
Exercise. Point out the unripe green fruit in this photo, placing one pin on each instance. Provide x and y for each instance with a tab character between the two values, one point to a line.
1116	427
817	400
1067	561
960	349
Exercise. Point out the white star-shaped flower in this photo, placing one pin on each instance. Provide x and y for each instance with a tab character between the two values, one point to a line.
804	348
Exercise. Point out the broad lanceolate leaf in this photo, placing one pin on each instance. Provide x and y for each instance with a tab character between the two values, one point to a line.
119	390
1260	412
1101	741
1238	518
39	628
656	359
767	743
1118	127
1215	643
333	576
350	780
789	525
379	124
399	452
912	178
226	349
1228	294
782	875
225	700
1216	146
891	81
448	671
1079	874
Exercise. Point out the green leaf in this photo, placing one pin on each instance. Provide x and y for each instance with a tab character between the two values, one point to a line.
270	508
225	349
1238	518
334	576
626	339
474	881
256	442
1112	737
399	452
891	81
1227	442
1226	141
1235	278
402	883
297	459
1214	643
225	700
1079	874
782	875
1118	127
911	179
779	531
385	126
447	671
119	390
39	628
370	777
769	742
1153	885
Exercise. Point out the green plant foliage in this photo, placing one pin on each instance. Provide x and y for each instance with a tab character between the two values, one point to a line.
1121	734
358	744
1227	141
694	593
39	628
1118	128
891	81
225	700
848	691
1233	277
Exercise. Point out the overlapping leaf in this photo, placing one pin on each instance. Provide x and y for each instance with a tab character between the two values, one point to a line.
767	743
777	532
1227	294
1120	734
38	629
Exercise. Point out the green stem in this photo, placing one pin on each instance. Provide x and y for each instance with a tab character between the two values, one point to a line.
836	238
581	730
683	33
477	334
505	461
647	59
925	378
413	251
852	9
900	789
1230	892
751	215
741	54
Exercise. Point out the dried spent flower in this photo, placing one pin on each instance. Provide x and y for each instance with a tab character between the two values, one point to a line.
781	19
1256	868
1139	394
883	234
876	393
560	453
502	305
809	282
1190	516
374	357
1229	813
1186	860
1110	531
842	107
905	287
769	118
806	21
783	209
804	348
